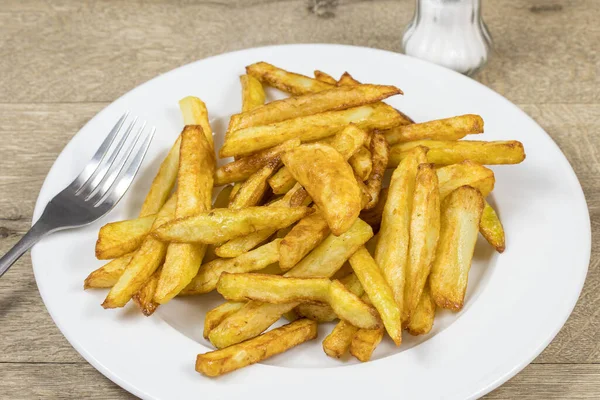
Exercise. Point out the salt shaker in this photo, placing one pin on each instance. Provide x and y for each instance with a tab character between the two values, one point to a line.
450	33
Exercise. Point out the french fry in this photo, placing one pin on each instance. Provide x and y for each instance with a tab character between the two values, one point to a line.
208	276
283	80
362	163
234	190
281	290
421	320
379	292
194	195
304	236
253	190
461	215
491	228
424	234
277	341
347	80
380	152
373	216
468	173
215	316
144	298
243	168
194	112
324	77
323	312
144	262
253	94
445	152
108	274
222	200
323	262
337	343
116	239
364	342
329	181
308	128
336	98
219	225
453	128
391	253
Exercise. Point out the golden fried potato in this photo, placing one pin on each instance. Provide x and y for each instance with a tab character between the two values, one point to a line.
308	128
453	128
337	343
283	80
421	320
336	98
445	152
424	234
323	262
351	308
253	190
108	274
215	316
116	239
253	94
379	292
491	228
254	260
468	173
461	215
329	181
220	225
364	342
373	216
362	163
144	298
380	152
277	341
195	113
391	252
304	236
222	200
347	80
241	169
144	262
324	77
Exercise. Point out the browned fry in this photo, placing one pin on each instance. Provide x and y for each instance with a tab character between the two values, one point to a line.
421	320
277	341
373	216
337	343
253	94
253	190
304	236
364	342
324	77
491	228
281	79
362	163
347	80
108	274
453	128
380	151
116	239
468	173
144	298
215	316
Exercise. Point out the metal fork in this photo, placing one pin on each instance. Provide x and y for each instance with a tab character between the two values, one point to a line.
95	191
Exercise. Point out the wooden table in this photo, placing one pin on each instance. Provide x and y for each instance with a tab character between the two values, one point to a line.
63	61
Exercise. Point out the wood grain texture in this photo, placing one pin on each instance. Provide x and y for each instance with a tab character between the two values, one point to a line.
63	61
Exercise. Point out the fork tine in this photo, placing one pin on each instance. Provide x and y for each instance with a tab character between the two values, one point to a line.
119	187
106	163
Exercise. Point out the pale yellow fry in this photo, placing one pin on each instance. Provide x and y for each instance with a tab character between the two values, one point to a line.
215	316
424	234
323	312
116	239
329	181
491	228
380	152
461	214
108	274
254	260
453	128
337	343
281	79
195	113
445	152
145	261
308	128
253	190
364	342
421	320
304	236
323	261
253	94
277	341
324	77
391	253
379	292
468	173
362	163
144	298
351	308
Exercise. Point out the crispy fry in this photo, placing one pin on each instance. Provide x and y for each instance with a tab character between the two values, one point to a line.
281	79
347	80
424	234
364	342
373	216
144	298
461	215
468	173
329	181
362	163
308	128
447	152
421	320
108	274
304	236
241	169
277	341
323	312
116	239
222	200
391	253
219	225
253	94
453	128
195	113
379	292
337	343
236	188
215	316
323	261
253	190
144	262
491	228
254	260
380	151
324	77
336	98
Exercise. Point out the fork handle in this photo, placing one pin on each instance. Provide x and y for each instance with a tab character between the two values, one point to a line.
37	231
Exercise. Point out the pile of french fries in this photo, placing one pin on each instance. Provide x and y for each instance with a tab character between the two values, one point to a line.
288	233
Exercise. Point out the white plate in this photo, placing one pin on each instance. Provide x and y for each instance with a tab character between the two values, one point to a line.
516	302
